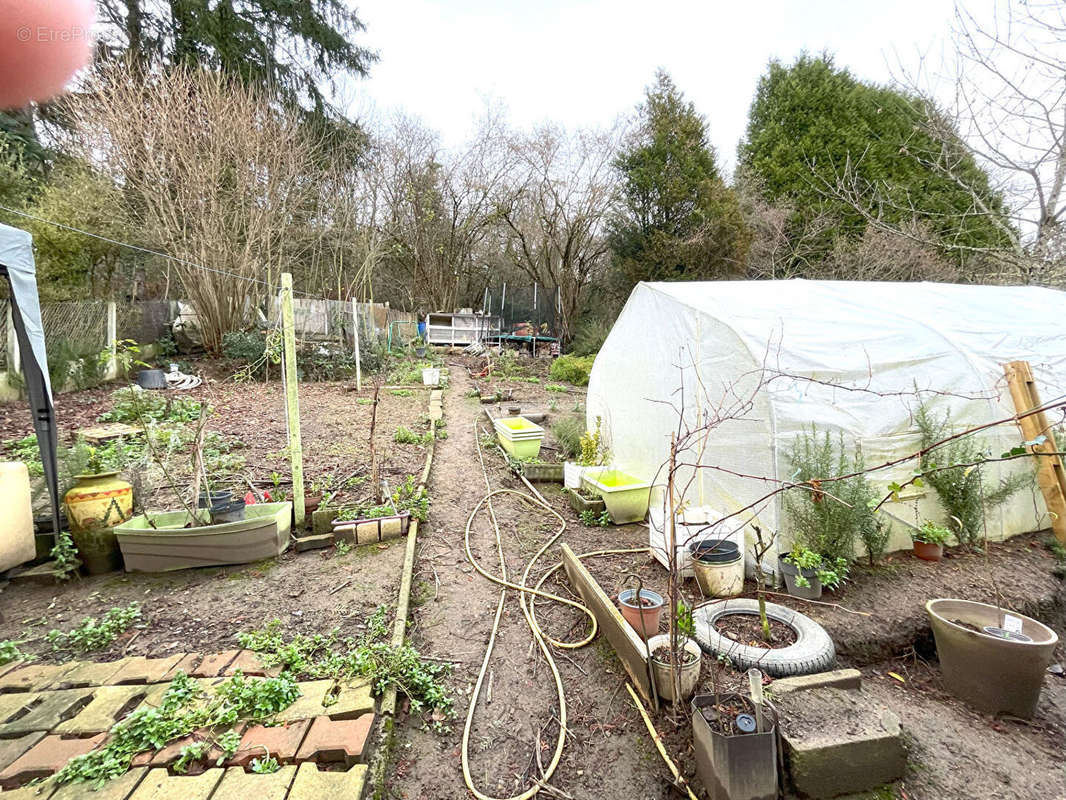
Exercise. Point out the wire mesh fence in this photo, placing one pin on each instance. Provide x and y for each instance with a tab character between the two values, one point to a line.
78	325
525	310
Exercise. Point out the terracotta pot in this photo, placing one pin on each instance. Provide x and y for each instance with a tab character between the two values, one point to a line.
927	551
645	617
94	506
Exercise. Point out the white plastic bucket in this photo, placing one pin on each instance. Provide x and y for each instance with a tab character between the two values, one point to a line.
430	376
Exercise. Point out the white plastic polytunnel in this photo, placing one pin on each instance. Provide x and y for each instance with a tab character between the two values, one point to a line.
729	342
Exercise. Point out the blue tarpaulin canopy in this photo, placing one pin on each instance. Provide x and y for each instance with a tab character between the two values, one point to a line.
16	264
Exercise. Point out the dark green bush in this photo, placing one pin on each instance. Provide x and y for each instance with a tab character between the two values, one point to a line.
244	346
568	431
572	369
323	362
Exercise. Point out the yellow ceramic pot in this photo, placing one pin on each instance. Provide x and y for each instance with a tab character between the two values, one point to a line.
95	505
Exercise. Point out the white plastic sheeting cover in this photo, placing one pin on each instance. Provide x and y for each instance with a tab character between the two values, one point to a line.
881	339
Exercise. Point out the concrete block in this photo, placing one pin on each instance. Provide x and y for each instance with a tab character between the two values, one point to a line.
44	758
213	664
626	643
15	704
322	520
240	785
88	673
10	749
108	705
279	741
33	677
115	789
837	679
309	704
350	702
247	661
187	663
305	543
336	740
139	669
311	783
38	791
839	741
159	784
48	710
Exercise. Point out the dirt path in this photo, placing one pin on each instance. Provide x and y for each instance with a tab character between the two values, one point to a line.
453	621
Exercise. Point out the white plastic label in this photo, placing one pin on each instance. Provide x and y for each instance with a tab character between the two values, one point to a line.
1012	624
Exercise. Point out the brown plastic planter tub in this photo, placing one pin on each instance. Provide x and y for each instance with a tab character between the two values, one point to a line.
170	545
990	672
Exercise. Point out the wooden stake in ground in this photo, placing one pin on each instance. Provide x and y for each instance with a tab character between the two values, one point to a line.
358	359
1049	470
292	399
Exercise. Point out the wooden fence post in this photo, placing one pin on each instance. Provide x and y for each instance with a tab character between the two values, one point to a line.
1049	470
292	399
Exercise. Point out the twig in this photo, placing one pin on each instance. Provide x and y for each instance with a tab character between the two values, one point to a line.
338	588
678	777
820	603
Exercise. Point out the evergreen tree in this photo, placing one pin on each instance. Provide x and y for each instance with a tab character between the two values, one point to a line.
676	218
813	127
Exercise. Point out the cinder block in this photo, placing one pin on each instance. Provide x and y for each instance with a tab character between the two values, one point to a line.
247	661
350	702
88	673
240	785
839	741
836	679
186	664
16	703
104	710
331	740
159	784
311	783
115	789
48	710
44	758
305	543
322	520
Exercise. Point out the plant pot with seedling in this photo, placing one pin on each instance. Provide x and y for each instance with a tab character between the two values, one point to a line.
929	541
581	500
643	616
735	742
682	659
806	573
993	659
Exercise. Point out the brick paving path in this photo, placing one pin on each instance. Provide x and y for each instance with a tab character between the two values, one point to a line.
51	713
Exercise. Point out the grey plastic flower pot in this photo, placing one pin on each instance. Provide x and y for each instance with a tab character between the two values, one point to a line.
991	673
739	767
790	571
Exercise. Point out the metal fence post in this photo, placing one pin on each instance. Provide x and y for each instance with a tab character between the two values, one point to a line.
112	339
292	399
358	366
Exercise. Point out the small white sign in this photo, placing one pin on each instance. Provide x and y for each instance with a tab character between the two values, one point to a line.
1012	624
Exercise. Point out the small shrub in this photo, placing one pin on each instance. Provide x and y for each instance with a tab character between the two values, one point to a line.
320	362
831	571
568	431
595	450
247	347
572	369
135	405
401	393
554	387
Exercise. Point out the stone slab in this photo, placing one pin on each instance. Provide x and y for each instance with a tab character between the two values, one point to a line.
837	678
45	758
139	669
279	741
627	645
48	710
336	741
115	789
89	673
11	749
309	704
305	543
311	783
159	784
839	741
104	709
240	785
213	664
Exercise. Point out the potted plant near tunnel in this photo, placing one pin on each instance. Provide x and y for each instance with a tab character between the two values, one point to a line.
806	572
676	657
929	541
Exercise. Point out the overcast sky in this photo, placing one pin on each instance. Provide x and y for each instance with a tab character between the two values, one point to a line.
585	62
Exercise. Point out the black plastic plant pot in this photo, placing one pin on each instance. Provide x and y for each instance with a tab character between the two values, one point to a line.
714	551
790	572
228	512
742	766
214	499
152	379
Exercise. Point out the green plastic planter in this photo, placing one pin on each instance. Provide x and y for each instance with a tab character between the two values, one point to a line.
519	437
626	496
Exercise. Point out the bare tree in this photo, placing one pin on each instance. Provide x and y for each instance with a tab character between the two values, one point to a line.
554	214
217	175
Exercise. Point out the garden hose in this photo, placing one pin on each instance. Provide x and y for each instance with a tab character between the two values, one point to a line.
528	613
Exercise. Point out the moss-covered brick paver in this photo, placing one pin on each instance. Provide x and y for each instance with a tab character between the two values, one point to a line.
108	705
309	704
48	710
88	673
37	791
311	783
10	749
279	741
248	663
115	789
336	740
139	669
213	664
14	703
240	785
350	702
45	758
186	663
33	677
159	784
